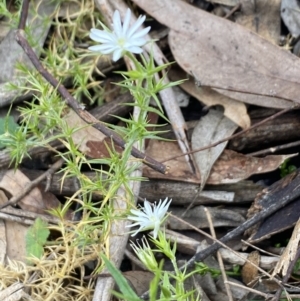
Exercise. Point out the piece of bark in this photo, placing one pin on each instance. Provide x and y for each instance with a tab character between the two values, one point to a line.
283	129
188	245
277	131
180	193
197	217
281	220
285	196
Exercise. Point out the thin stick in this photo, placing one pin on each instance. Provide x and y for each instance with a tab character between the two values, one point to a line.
219	257
259	249
266	296
24	215
274	149
84	115
24	14
233	10
14	200
237	134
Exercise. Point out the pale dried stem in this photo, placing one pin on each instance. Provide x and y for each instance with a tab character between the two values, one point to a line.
220	259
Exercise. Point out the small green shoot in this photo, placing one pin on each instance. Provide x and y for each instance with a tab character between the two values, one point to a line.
286	168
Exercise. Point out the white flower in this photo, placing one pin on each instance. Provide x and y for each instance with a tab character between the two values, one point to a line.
149	217
122	39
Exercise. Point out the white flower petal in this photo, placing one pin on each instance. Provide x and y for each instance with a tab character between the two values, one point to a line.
123	37
132	225
140	33
95	48
101	36
147	207
101	49
117	26
155	231
106	48
139	213
136	232
136	25
138	219
126	22
117	54
150	216
134	49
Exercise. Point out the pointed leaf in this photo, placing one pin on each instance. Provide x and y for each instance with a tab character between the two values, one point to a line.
211	128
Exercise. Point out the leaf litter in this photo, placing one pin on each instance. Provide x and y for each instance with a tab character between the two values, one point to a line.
234	67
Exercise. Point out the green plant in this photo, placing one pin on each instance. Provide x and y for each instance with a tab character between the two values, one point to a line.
286	168
36	238
42	121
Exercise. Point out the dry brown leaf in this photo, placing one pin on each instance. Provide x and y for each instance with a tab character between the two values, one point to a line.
223	54
234	110
250	271
14	237
16	244
178	168
231	167
211	128
88	139
14	182
139	280
261	17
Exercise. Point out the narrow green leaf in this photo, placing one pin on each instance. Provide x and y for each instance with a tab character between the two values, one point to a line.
36	238
7	124
120	280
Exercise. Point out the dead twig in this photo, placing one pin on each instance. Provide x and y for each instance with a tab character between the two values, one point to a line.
266	296
237	134
24	14
224	246
219	257
14	200
274	149
25	217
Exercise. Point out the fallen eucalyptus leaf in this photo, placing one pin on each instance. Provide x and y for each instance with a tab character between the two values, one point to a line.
290	10
211	128
261	17
225	55
234	110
